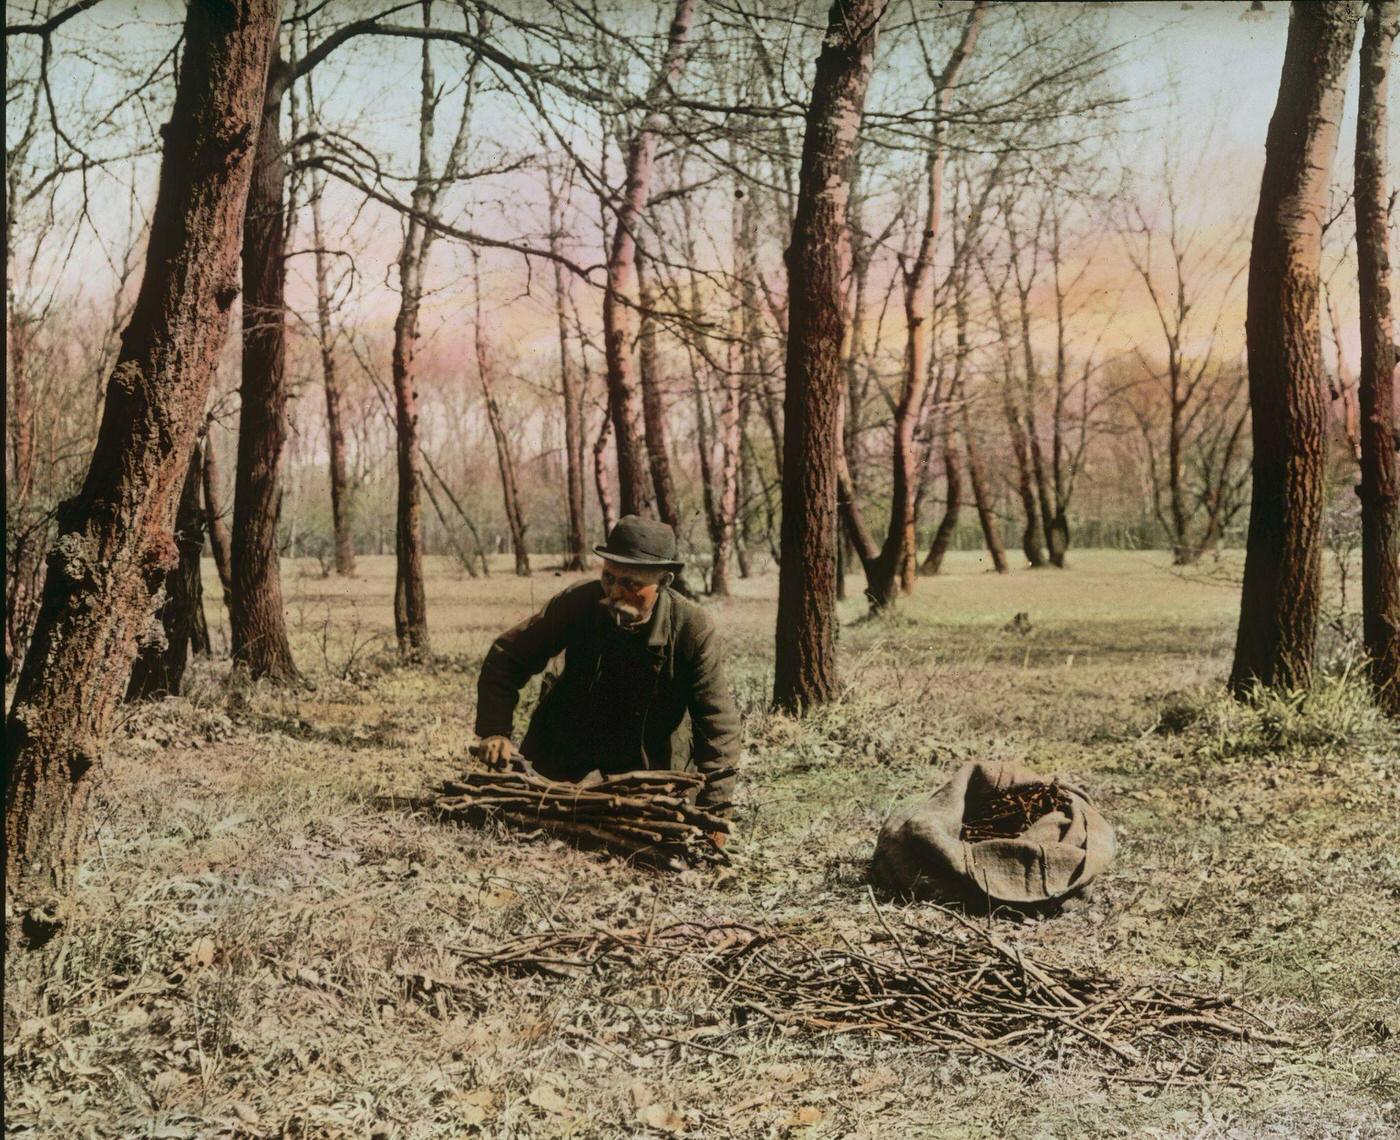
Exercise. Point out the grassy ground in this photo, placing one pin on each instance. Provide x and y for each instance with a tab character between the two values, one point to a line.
264	952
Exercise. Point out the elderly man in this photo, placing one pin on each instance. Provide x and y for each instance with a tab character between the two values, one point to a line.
643	683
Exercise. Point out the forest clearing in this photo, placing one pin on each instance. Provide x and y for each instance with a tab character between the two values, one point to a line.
709	568
269	953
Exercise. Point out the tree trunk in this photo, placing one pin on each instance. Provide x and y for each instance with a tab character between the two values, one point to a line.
619	298
256	619
214	516
727	499
180	628
804	667
990	534
515	518
576	556
952	473
883	576
335	428
1380	473
114	543
1283	555
658	446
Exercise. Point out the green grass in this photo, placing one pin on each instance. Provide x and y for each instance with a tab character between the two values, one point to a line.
262	951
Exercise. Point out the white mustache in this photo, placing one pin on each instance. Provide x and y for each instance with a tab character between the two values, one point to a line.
624	614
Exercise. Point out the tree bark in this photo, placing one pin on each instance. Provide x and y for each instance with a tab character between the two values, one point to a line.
114	543
1380	474
214	516
619	297
952	505
179	629
727	498
257	622
1283	555
804	667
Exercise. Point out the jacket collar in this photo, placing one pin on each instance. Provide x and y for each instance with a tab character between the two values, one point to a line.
659	628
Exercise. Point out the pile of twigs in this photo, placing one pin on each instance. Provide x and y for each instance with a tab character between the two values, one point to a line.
963	990
648	816
571	953
1007	813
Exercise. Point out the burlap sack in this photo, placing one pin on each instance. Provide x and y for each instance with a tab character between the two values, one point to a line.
920	851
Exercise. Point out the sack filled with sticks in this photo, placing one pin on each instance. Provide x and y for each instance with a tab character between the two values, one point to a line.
997	831
649	816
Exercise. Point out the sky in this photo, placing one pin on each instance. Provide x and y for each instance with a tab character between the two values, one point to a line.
1202	76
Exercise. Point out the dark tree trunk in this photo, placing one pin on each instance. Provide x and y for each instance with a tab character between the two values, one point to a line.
115	545
1283	555
214	516
952	506
619	298
1380	473
181	629
804	667
256	619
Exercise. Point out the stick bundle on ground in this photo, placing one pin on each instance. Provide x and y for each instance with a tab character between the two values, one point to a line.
963	990
1009	812
648	816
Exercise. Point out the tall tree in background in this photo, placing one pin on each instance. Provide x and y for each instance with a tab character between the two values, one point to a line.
620	296
1380	472
114	543
1283	556
410	595
571	388
885	572
804	665
505	462
331	378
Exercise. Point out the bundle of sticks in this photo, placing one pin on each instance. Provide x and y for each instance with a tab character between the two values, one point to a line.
1007	813
964	990
649	816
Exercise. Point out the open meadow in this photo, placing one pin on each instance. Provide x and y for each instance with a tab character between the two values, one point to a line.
269	946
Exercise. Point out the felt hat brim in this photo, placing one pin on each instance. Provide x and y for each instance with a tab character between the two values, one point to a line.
628	560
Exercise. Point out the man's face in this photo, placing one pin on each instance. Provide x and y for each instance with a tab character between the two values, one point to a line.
631	591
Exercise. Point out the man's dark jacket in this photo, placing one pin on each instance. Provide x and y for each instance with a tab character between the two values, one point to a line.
621	701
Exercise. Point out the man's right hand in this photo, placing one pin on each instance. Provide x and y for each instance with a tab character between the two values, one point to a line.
496	751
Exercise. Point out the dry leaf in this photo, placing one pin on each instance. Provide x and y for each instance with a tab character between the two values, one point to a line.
876	1079
548	1099
641	1095
203	952
807	1114
659	1116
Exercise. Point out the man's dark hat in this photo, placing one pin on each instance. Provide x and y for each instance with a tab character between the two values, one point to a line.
636	541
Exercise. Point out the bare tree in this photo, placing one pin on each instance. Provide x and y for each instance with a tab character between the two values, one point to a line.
1283	557
619	298
114	544
1179	263
219	543
515	517
1380	471
576	556
804	666
410	595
